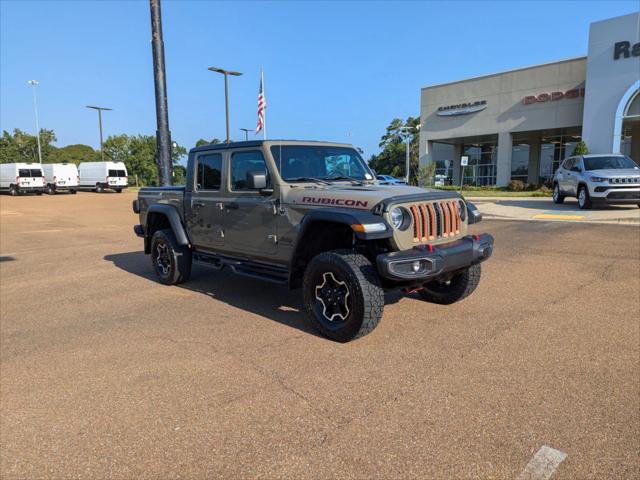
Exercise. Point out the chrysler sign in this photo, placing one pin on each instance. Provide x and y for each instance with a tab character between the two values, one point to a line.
462	108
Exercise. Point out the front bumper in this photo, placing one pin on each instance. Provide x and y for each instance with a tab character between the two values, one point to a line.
614	194
434	261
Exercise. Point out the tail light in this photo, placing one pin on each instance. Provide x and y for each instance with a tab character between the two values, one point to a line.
18	179
54	178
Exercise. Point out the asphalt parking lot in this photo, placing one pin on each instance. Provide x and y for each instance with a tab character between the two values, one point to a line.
107	374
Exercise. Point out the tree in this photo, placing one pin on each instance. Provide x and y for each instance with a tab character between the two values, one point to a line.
581	149
73	154
392	159
426	173
23	147
202	142
139	155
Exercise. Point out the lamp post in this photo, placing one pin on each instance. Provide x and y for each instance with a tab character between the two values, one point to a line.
34	84
405	133
226	74
100	109
246	133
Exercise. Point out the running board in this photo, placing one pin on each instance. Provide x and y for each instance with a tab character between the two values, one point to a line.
269	273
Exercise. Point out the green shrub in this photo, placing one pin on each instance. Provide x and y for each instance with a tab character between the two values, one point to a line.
516	186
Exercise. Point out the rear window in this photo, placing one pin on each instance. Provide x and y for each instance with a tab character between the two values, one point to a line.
122	173
24	172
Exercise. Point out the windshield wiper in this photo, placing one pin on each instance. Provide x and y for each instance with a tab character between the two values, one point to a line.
308	179
346	177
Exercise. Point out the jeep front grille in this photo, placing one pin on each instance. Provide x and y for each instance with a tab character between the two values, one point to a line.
433	221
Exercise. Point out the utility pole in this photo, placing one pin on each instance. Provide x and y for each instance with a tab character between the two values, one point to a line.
34	84
100	109
226	74
163	135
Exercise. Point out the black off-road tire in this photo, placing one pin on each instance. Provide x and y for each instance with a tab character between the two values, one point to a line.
99	188
586	204
461	286
558	197
365	295
178	266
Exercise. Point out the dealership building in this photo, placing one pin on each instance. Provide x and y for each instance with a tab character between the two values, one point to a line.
520	124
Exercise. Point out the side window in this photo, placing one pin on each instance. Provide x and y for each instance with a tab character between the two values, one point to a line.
209	172
575	166
241	164
568	163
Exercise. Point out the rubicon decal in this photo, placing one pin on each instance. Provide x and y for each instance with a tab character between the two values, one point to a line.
339	202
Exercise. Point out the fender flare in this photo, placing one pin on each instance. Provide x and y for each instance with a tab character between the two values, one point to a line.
174	220
348	218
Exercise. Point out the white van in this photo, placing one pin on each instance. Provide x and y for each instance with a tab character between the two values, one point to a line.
60	177
98	176
17	178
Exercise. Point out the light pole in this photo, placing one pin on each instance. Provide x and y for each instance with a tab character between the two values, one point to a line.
100	109
246	133
34	84
405	133
226	74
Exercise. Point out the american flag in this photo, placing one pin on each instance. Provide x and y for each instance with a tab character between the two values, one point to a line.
262	105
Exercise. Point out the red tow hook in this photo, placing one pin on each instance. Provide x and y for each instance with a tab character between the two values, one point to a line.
476	237
409	291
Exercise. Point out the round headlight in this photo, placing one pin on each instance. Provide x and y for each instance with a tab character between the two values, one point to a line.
398	218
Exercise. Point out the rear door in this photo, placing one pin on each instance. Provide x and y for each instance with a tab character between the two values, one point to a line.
250	222
574	176
204	208
564	174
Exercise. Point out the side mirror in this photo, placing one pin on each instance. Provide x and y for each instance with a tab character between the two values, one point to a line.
473	214
256	180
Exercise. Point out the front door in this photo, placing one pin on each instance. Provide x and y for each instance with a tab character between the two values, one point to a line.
250	216
204	208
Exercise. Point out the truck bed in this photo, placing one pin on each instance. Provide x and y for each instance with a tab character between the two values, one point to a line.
148	196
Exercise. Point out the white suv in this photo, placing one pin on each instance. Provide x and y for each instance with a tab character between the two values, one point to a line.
607	178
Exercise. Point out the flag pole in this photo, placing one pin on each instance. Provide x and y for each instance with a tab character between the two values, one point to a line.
264	129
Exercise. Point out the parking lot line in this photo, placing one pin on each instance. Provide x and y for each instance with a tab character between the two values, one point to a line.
543	464
553	216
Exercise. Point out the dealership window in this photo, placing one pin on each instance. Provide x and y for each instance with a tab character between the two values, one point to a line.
555	146
443	155
483	157
520	162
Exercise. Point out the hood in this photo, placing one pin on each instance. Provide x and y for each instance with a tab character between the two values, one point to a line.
615	172
358	196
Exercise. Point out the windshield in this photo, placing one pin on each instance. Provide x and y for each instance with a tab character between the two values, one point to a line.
606	162
304	162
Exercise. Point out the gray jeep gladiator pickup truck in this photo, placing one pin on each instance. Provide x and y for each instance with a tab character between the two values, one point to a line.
311	215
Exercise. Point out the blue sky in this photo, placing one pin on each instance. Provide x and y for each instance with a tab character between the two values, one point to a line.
333	70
